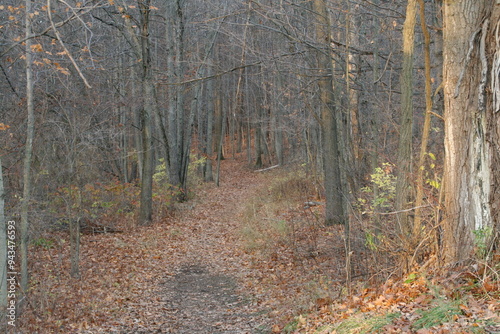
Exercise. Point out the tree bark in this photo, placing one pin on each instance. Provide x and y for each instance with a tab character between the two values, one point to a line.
471	177
427	125
148	93
209	176
331	161
28	152
3	249
404	156
122	111
175	69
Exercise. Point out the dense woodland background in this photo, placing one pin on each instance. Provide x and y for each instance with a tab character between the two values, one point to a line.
114	112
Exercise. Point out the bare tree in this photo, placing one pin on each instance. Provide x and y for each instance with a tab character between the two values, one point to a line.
3	248
28	151
404	159
139	38
331	161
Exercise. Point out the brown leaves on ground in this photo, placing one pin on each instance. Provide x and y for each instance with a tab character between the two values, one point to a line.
253	268
122	288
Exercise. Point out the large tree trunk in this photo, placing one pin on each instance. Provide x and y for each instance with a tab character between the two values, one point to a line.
331	161
148	93
140	42
175	118
419	199
472	91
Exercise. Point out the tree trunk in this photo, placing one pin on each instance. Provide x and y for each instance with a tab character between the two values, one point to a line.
427	126
248	125
74	234
404	156
28	151
220	143
120	82
258	138
176	118
277	118
471	177
148	93
3	250
137	122
209	177
331	161
146	207
140	43
218	118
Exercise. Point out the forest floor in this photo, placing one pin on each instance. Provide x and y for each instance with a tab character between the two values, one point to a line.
228	261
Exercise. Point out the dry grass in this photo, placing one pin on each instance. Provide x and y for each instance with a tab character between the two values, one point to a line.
266	224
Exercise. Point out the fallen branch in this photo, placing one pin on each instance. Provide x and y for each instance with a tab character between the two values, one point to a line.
268	168
307	205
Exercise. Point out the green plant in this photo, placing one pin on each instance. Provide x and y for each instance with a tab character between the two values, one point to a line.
481	238
105	201
385	184
292	325
160	175
443	311
372	240
357	324
434	181
43	242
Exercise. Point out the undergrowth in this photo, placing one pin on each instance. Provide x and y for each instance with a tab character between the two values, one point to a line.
266	225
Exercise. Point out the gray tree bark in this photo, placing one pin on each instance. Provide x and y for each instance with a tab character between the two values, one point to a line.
3	249
28	152
140	43
331	161
175	70
404	158
472	95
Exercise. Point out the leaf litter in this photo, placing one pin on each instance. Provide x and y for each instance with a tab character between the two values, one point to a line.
194	272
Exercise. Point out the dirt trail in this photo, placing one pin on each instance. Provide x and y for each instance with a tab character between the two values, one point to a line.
184	274
203	296
200	292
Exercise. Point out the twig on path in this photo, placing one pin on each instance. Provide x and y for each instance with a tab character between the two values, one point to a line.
268	168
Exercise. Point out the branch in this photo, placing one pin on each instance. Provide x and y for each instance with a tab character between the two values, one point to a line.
49	13
268	168
401	211
8	80
437	115
230	70
43	32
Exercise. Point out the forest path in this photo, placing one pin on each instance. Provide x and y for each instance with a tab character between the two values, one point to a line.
184	274
204	262
203	296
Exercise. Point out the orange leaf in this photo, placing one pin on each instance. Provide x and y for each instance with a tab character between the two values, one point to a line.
36	47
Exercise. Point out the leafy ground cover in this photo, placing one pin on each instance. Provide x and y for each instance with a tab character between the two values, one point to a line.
246	257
